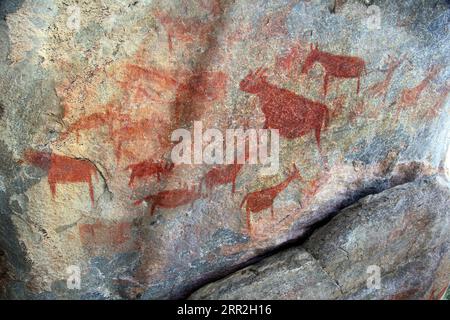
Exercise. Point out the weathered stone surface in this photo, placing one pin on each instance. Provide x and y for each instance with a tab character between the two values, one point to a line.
404	231
96	101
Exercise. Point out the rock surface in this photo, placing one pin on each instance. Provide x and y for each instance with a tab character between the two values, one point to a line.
402	231
90	92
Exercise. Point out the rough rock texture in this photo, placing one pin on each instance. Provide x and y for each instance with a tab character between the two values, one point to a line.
404	231
81	109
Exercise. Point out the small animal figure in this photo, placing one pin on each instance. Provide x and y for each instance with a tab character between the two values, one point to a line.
409	97
381	88
338	66
222	175
262	199
171	198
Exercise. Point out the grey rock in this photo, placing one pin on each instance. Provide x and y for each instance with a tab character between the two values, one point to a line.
403	232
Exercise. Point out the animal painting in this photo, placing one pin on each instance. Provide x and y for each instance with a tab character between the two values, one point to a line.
97	119
222	175
338	66
62	169
440	100
293	115
171	198
263	199
148	168
410	96
381	88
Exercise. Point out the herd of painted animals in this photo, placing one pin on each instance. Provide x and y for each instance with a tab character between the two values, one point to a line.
292	114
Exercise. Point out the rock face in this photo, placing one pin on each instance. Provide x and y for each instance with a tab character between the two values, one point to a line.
91	92
402	231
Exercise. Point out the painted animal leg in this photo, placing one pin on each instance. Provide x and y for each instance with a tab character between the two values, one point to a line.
317	131
52	188
152	210
233	185
118	151
326	79
357	85
169	40
91	189
132	177
272	215
249	225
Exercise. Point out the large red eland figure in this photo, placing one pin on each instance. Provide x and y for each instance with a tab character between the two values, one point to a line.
293	115
259	200
335	65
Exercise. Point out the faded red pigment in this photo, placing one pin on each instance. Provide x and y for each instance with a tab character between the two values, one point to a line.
148	168
184	29
171	198
409	97
381	88
201	87
222	175
98	233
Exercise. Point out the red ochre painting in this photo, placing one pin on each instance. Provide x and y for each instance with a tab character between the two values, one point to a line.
122	91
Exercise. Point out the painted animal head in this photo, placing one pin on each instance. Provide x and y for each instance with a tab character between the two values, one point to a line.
311	58
255	81
37	158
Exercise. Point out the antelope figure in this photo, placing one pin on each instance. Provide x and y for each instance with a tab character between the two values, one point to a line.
225	174
410	96
381	88
293	115
222	175
171	198
262	199
335	65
